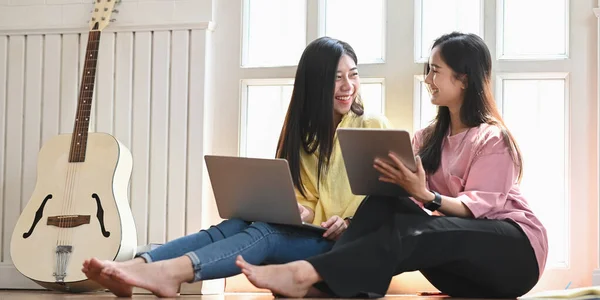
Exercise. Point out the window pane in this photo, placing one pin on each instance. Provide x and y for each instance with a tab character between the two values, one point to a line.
534	111
523	37
444	16
274	32
365	33
266	110
372	97
427	111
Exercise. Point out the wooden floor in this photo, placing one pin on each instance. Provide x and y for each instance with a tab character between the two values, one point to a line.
43	295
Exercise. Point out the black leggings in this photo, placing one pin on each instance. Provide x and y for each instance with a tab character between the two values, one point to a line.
462	257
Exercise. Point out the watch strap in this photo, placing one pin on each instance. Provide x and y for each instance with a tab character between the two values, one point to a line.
435	204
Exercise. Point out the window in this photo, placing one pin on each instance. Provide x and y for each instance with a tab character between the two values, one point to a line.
558	178
266	45
424	111
372	95
544	38
265	110
270	48
436	17
365	33
534	107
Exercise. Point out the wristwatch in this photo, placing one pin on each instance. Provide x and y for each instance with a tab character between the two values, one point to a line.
435	204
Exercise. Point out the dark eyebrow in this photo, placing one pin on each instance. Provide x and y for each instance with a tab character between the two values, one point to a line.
436	66
353	69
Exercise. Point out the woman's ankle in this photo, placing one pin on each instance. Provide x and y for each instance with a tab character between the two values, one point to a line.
307	272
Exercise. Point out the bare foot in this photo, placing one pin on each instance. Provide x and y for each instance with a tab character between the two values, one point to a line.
93	268
95	265
293	280
162	278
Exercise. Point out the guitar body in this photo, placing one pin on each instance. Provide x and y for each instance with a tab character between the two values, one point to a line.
78	210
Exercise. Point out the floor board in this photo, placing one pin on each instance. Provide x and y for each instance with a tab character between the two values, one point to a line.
45	295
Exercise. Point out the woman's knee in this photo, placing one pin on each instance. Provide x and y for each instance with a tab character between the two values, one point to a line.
374	207
406	205
227	228
263	227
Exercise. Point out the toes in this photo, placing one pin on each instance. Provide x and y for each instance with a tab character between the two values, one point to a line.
242	263
240	260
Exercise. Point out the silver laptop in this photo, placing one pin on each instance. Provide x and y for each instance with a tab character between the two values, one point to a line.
360	147
255	189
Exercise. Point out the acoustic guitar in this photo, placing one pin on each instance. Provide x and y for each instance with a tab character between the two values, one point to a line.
79	207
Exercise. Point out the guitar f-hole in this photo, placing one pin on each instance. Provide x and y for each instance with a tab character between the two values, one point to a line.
38	216
100	215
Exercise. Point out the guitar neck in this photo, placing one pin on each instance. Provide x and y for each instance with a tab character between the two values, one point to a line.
86	93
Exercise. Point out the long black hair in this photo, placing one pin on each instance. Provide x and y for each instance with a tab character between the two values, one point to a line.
309	123
466	54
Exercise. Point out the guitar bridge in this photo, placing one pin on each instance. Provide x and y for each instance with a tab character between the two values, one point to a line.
63	253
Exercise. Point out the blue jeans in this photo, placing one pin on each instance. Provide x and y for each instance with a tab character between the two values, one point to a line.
213	251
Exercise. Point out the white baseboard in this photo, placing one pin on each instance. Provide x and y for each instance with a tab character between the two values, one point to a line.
10	278
596	277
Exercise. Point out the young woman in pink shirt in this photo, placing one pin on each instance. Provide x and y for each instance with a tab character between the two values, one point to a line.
486	243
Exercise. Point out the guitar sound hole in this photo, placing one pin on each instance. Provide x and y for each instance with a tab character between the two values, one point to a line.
100	215
38	216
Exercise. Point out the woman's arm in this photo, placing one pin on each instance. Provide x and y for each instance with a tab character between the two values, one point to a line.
491	176
450	206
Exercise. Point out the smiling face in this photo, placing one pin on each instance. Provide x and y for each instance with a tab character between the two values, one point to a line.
347	85
443	85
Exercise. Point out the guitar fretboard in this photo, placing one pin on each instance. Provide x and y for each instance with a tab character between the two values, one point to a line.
84	105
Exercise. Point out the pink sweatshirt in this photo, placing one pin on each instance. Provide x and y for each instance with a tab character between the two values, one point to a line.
477	168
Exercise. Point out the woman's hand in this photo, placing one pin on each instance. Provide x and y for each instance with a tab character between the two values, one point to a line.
335	227
398	173
305	213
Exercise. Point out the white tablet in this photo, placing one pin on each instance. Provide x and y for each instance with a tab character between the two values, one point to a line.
360	147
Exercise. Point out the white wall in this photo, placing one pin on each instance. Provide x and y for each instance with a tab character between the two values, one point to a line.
42	14
153	83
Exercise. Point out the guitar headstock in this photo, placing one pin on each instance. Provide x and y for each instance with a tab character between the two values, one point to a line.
103	9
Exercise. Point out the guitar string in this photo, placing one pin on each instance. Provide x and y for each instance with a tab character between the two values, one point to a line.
83	125
73	170
88	94
86	109
73	161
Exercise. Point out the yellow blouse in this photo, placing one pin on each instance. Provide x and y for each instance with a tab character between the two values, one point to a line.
333	197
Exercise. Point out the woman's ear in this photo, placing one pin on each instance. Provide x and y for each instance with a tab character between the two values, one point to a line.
464	81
